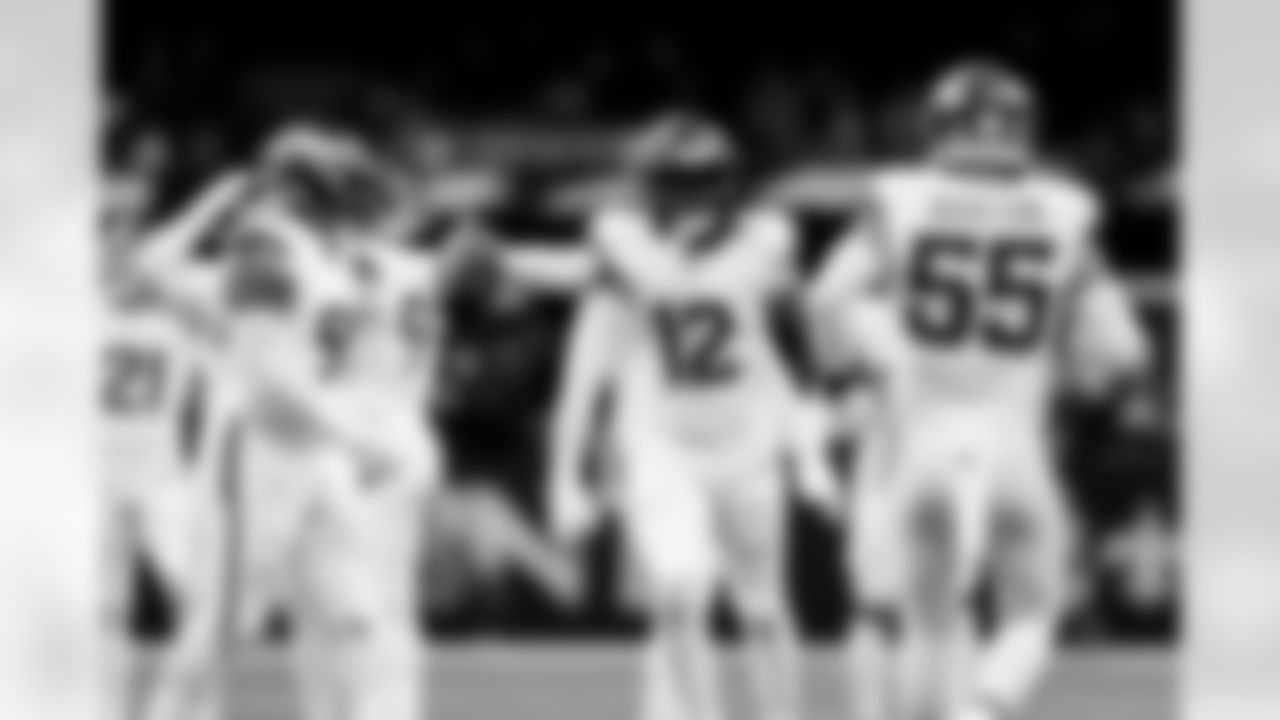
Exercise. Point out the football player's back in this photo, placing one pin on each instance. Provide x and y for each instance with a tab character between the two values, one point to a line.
987	249
985	270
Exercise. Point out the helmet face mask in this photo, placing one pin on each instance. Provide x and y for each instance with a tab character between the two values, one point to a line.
691	175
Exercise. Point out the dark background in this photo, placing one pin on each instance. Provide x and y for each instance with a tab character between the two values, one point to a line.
539	99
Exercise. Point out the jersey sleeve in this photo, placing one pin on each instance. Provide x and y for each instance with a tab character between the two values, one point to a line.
552	269
608	236
560	267
780	246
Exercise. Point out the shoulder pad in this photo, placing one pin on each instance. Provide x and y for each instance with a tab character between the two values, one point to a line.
613	233
772	228
1072	195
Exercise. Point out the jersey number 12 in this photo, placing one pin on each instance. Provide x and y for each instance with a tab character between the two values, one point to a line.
695	337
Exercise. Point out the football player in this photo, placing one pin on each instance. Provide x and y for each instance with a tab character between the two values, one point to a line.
679	325
388	379
153	367
164	512
974	272
276	314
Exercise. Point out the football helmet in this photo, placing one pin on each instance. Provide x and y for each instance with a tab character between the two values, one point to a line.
681	142
688	165
983	113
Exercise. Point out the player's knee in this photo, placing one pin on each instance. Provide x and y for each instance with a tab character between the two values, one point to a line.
760	605
1031	578
1035	590
936	579
931	601
877	620
676	599
393	639
934	532
193	651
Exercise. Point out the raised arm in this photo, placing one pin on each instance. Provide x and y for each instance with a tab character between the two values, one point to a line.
551	269
596	248
168	251
166	263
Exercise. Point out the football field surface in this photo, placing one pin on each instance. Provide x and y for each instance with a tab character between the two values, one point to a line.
598	682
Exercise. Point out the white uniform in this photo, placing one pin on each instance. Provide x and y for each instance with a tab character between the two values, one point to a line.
329	487
276	304
383	386
979	283
150	376
697	410
394	358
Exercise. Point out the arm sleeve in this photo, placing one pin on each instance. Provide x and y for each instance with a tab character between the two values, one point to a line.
171	247
552	265
550	269
167	259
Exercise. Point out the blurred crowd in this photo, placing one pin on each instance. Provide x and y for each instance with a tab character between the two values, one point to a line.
522	124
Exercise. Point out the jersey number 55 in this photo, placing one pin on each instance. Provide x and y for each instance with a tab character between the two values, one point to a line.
997	294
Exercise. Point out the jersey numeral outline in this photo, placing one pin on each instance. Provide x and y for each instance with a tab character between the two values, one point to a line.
135	380
1006	309
695	336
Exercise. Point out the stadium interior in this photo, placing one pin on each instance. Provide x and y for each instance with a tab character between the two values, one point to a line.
525	114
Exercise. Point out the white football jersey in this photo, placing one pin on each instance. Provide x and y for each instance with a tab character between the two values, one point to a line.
273	302
983	280
397	344
704	368
149	372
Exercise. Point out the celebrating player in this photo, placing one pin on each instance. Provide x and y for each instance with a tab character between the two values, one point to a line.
964	291
679	325
317	377
165	508
388	377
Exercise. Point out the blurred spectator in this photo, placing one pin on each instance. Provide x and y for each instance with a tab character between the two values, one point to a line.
1139	568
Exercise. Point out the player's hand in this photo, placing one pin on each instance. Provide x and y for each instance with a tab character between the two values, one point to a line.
815	472
573	513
